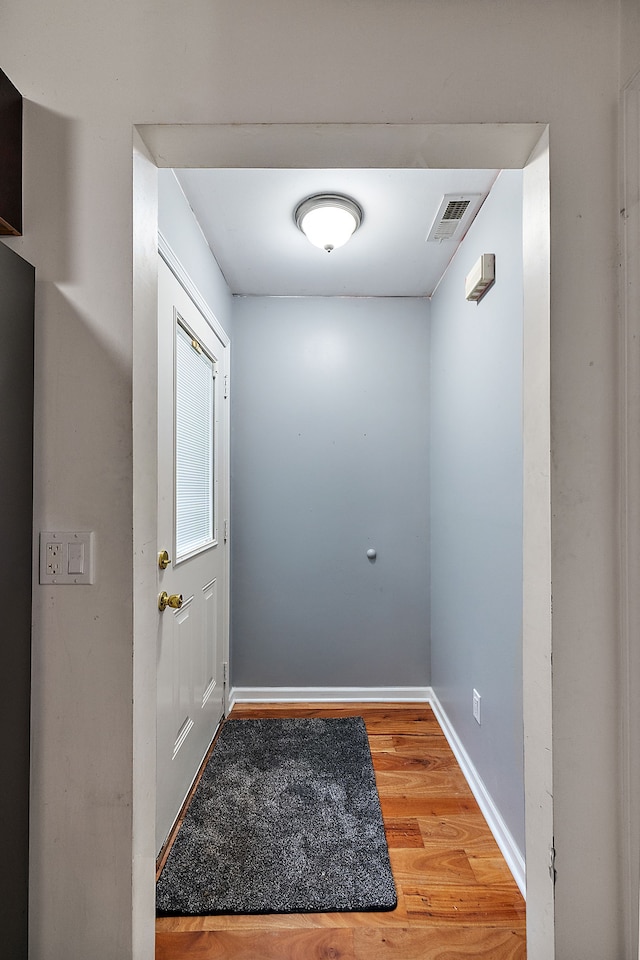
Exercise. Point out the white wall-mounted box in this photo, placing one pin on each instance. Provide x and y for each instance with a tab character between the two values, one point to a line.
481	277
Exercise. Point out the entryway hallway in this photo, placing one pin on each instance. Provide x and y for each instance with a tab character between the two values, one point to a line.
456	896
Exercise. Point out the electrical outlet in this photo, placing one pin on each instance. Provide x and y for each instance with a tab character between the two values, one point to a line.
476	706
66	556
54	559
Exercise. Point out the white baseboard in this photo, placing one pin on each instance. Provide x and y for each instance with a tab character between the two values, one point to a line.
329	694
504	839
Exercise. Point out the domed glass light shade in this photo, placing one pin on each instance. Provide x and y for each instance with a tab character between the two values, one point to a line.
327	220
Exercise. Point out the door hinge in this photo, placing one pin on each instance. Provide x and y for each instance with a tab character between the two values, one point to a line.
225	531
552	865
226	385
225	670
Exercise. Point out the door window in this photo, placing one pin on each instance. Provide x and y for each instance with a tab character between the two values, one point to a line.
194	445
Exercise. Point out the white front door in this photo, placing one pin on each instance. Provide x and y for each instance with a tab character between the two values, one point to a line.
193	497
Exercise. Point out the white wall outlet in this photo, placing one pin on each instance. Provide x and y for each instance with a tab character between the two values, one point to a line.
476	706
66	556
54	559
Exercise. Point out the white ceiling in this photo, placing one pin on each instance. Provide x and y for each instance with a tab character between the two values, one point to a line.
247	218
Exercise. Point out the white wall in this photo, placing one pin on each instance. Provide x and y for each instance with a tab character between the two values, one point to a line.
89	74
177	224
629	40
476	501
330	416
630	491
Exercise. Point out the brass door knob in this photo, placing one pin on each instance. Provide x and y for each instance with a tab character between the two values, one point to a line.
164	601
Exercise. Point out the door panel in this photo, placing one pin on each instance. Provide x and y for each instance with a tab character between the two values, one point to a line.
192	505
208	679
181	633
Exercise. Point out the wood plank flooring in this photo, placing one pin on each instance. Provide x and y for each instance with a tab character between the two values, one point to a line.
456	896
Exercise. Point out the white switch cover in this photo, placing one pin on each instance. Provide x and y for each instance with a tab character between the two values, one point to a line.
66	556
76	558
477	700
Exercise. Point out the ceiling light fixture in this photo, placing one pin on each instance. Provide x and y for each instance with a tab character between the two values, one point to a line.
328	220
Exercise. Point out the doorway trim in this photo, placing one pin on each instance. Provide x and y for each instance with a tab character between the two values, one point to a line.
366	146
630	505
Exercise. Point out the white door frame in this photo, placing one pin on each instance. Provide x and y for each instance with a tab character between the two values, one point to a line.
630	503
365	146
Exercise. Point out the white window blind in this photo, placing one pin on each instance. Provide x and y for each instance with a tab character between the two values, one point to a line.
194	419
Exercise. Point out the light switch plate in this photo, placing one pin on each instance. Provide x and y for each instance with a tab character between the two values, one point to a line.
477	700
66	556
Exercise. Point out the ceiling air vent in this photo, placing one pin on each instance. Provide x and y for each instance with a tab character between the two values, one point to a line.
456	212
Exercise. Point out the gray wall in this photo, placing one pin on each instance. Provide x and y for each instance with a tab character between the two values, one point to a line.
476	500
330	457
180	228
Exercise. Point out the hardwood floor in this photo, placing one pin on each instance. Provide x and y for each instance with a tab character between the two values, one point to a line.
456	896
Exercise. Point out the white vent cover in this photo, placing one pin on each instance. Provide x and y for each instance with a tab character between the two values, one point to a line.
454	216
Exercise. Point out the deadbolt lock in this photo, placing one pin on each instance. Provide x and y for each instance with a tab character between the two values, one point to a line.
164	559
174	601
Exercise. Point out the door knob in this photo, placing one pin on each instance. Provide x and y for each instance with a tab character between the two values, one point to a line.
164	601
